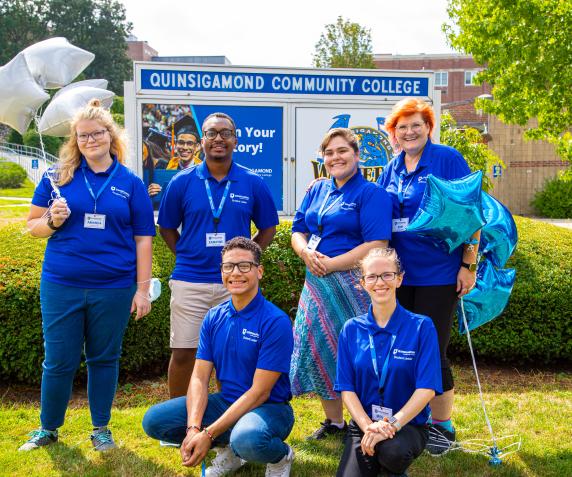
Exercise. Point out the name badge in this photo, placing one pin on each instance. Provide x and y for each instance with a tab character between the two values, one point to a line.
94	221
399	225
313	242
378	412
216	240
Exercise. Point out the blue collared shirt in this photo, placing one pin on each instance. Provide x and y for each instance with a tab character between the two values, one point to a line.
93	258
361	214
414	362
186	203
239	342
423	262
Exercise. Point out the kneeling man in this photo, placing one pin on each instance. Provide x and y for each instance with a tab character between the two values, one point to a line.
248	341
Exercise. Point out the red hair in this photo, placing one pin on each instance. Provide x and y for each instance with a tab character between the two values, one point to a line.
409	107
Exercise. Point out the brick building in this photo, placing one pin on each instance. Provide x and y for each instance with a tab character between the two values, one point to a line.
139	50
529	164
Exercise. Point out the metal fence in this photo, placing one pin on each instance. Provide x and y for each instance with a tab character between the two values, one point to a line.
32	159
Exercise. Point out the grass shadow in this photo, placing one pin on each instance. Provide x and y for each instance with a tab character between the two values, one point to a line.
71	461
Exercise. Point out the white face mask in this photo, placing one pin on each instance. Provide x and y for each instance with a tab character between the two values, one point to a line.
154	289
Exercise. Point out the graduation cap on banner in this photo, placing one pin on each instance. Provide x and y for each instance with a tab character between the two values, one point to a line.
186	125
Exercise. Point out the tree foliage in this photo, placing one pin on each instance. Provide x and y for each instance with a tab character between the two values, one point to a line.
526	48
98	26
344	45
469	142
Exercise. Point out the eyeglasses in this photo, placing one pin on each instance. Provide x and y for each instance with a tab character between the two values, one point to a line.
243	267
95	135
182	143
224	133
371	279
415	127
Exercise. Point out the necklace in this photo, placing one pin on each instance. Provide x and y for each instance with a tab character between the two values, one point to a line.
413	160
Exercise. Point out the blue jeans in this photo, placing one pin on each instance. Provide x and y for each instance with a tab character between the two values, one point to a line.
74	318
258	436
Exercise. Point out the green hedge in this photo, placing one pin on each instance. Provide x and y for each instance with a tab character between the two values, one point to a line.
555	200
12	175
535	328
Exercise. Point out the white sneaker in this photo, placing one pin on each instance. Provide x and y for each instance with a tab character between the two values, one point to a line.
282	467
224	462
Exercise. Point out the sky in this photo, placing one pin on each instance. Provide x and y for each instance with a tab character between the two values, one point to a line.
272	33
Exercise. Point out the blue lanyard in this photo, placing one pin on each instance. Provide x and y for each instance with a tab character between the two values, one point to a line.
96	196
217	213
383	376
324	209
400	191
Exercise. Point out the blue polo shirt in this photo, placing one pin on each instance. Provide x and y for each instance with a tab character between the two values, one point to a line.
423	262
414	361
239	342
186	203
358	212
94	258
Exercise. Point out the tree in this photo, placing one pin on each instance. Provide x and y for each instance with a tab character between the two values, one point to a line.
469	142
21	24
98	26
527	53
344	45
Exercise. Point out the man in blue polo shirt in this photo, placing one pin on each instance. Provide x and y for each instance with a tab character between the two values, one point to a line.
213	202
248	341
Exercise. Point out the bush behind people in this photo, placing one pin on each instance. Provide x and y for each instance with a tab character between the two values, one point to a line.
536	327
12	175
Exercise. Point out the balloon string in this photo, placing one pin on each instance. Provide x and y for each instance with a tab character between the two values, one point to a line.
37	121
477	374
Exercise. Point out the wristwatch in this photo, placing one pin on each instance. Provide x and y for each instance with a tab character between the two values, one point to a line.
472	267
394	422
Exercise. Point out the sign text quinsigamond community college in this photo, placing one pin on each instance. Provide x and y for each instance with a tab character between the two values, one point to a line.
279	83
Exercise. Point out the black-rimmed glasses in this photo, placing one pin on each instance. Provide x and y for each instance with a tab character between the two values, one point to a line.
372	278
224	133
243	267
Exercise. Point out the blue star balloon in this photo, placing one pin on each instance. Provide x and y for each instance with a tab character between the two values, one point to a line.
489	297
450	211
499	235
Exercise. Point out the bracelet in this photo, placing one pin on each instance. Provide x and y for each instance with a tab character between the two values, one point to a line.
206	431
51	225
192	426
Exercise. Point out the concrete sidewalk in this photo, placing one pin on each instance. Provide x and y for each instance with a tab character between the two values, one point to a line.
565	223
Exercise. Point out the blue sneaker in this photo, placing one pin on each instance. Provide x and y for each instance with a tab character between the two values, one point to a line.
102	440
39	438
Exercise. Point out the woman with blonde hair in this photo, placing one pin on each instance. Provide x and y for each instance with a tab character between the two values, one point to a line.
96	270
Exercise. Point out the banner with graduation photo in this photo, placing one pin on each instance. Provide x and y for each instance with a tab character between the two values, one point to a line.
171	142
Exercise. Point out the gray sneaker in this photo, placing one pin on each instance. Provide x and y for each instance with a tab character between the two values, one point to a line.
102	440
39	438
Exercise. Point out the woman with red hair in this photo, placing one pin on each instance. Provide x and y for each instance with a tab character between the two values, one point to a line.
434	279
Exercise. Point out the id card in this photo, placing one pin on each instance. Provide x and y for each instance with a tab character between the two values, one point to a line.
313	242
378	412
216	240
399	225
94	221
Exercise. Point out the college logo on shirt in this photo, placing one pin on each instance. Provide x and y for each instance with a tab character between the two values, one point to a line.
119	192
422	179
402	354
348	205
250	335
239	199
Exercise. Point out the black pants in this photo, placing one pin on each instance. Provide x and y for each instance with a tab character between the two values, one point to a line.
438	303
392	456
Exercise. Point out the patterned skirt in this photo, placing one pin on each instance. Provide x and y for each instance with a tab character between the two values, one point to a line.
325	305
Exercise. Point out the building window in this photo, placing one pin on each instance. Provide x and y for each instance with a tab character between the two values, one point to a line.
441	78
470	78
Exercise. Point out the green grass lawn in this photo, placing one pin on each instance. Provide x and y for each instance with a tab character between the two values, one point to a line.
27	190
537	406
